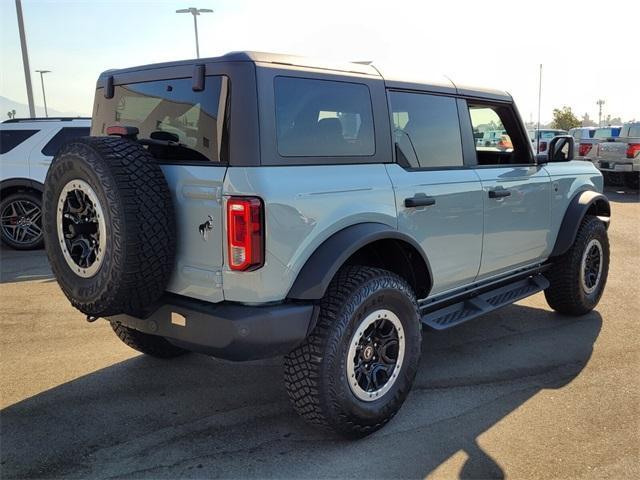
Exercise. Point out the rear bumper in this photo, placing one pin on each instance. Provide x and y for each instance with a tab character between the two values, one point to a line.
619	166
228	330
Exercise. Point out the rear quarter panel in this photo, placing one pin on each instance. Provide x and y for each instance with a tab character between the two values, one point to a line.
304	205
567	180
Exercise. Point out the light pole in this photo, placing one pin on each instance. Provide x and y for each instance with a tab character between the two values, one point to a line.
25	58
195	12
600	103
44	97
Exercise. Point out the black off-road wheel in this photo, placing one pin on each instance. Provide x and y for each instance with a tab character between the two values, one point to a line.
109	226
355	369
21	221
152	345
577	278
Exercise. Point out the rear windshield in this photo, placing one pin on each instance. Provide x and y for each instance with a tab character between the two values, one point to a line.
607	132
181	124
10	139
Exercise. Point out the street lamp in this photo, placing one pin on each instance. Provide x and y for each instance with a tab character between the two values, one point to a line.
195	12
44	97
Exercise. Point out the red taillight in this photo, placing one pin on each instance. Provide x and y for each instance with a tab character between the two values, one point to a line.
584	149
633	149
245	233
543	146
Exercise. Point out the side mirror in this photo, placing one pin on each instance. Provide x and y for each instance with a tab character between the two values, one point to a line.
560	149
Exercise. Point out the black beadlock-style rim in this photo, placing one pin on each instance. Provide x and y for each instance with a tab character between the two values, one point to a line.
21	222
591	266
81	228
376	353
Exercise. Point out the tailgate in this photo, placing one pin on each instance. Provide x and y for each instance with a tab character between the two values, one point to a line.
612	151
197	200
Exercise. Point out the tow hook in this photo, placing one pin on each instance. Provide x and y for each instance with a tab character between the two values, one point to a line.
91	318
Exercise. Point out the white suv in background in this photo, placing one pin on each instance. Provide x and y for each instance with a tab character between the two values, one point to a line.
27	147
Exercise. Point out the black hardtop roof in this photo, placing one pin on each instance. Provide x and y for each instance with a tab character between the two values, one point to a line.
392	77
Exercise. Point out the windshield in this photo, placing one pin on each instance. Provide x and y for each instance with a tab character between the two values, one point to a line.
177	122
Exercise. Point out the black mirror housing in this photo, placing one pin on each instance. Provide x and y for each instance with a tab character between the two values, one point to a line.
560	149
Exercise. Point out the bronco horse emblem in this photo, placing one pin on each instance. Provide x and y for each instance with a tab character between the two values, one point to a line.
206	227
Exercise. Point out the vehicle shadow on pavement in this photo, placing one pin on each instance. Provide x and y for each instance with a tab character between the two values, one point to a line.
200	417
622	194
24	265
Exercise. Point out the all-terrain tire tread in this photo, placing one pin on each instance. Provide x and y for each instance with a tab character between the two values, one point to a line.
564	292
149	344
306	387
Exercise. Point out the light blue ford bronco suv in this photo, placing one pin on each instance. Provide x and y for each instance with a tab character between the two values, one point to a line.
256	205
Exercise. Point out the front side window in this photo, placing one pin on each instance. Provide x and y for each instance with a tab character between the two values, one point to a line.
323	118
63	136
496	135
180	123
10	139
426	130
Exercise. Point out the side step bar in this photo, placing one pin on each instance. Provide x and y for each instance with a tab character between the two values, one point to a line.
482	303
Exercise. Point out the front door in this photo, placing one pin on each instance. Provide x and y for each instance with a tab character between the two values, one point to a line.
438	200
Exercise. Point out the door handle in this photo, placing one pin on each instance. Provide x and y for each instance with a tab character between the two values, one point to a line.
419	201
499	193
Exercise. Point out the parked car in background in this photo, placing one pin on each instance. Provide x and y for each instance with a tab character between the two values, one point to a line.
27	147
618	158
543	136
587	148
582	136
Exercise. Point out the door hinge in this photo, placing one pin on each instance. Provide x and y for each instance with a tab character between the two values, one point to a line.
218	279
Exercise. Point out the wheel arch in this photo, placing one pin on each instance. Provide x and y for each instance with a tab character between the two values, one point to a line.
13	185
371	244
584	203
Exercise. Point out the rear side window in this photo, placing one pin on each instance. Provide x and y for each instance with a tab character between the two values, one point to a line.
426	130
323	118
179	124
10	139
63	136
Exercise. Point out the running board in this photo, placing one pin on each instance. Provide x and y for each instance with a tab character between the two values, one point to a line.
485	302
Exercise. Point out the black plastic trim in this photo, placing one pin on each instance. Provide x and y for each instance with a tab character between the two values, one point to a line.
227	330
314	278
574	215
21	183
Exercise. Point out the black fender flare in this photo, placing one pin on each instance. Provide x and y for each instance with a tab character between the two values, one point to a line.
580	204
27	183
320	268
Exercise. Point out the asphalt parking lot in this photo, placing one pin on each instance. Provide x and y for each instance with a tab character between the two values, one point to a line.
521	393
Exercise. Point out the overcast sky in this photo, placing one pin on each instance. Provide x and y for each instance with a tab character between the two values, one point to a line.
589	50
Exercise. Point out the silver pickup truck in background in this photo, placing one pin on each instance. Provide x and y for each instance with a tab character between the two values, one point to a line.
619	158
586	148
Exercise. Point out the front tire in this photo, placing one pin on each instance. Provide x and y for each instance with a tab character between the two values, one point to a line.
577	278
355	369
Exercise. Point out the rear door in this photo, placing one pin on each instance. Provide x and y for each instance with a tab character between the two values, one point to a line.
438	199
516	194
184	130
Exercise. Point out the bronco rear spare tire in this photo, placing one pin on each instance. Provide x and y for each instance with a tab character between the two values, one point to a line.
109	226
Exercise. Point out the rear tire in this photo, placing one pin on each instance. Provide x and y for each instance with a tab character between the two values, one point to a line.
148	344
577	278
21	225
355	369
